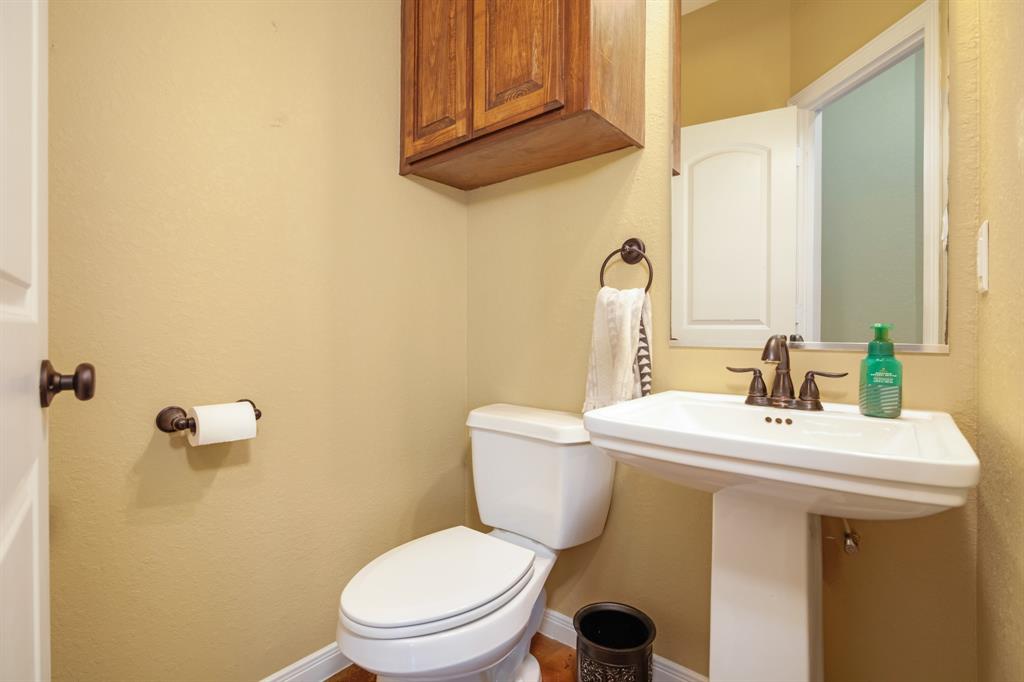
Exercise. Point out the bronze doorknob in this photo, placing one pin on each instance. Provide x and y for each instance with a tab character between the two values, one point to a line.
52	382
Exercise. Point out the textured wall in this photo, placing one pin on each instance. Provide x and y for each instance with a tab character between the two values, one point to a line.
248	150
227	221
825	32
904	608
735	59
744	56
1001	347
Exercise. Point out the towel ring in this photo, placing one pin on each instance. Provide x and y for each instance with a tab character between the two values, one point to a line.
632	252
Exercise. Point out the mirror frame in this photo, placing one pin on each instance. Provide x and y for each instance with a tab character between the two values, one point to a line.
920	26
931	348
841	346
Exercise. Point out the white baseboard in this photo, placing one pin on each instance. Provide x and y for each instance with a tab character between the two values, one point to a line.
321	664
316	667
558	627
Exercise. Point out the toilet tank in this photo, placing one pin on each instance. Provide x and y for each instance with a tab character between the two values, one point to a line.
537	475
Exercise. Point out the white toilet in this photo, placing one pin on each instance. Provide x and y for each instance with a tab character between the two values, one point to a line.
459	605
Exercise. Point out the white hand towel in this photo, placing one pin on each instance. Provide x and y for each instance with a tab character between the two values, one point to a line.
615	373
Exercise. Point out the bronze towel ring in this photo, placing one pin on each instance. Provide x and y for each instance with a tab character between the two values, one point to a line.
632	252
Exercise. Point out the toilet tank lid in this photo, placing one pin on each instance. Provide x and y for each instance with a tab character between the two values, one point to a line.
532	422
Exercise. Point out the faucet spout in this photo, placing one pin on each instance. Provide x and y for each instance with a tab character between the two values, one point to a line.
776	352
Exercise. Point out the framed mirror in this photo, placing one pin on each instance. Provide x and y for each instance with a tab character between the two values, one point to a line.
811	195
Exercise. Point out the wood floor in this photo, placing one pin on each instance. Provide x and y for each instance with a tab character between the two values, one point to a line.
557	663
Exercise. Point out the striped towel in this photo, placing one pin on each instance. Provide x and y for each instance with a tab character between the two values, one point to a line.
620	351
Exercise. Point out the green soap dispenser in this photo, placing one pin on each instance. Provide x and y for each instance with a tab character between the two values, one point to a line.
881	377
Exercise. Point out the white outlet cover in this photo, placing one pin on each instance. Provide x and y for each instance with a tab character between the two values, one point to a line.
982	262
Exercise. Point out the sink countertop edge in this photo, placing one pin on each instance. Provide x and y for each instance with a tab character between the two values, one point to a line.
955	474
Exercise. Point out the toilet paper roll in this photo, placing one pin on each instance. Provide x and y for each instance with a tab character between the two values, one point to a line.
222	423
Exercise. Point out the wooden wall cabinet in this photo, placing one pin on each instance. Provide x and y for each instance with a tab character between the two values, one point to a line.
495	89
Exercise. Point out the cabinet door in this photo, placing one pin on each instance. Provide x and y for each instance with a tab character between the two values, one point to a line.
435	75
517	61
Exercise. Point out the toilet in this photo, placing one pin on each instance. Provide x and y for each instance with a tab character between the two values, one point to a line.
462	606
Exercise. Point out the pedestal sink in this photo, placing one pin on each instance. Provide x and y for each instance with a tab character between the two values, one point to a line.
773	472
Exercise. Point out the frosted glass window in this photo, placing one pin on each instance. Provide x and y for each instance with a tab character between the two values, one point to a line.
872	180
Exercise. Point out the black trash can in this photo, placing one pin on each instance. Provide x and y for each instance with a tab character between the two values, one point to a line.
614	643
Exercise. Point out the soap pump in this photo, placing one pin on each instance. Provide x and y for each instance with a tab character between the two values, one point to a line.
881	377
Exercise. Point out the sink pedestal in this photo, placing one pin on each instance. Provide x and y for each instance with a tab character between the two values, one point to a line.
772	472
765	590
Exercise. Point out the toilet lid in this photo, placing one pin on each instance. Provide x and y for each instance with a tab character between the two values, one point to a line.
433	578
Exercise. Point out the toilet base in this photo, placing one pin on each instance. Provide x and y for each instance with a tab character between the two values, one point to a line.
528	670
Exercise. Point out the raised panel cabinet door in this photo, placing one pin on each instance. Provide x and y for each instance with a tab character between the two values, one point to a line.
517	61
435	75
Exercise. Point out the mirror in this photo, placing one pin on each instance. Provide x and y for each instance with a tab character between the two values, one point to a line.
811	193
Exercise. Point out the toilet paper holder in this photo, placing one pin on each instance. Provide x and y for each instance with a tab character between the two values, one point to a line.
174	418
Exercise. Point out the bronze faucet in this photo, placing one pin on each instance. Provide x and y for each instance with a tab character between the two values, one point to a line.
776	352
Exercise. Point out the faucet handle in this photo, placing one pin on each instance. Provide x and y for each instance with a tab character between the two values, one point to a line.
757	393
810	398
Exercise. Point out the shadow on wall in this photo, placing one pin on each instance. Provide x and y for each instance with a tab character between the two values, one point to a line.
172	473
579	172
421	518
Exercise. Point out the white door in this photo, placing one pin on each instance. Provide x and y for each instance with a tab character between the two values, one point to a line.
734	231
24	518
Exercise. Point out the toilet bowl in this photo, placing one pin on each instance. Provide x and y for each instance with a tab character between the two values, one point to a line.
462	606
464	646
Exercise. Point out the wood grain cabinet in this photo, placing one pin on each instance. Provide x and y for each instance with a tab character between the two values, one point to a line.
495	89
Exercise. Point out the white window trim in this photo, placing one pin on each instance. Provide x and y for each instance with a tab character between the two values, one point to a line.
919	27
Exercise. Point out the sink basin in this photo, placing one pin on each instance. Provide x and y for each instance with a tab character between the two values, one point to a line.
836	462
772	473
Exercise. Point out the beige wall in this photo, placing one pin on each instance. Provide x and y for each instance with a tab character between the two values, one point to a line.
744	56
227	222
244	149
1001	347
825	32
904	608
735	60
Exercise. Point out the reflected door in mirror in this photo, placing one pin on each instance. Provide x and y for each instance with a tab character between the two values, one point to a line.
734	231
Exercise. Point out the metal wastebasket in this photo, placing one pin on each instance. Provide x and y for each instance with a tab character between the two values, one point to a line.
614	643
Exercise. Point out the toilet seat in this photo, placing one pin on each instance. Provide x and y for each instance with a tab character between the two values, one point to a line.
467	649
435	583
442	624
